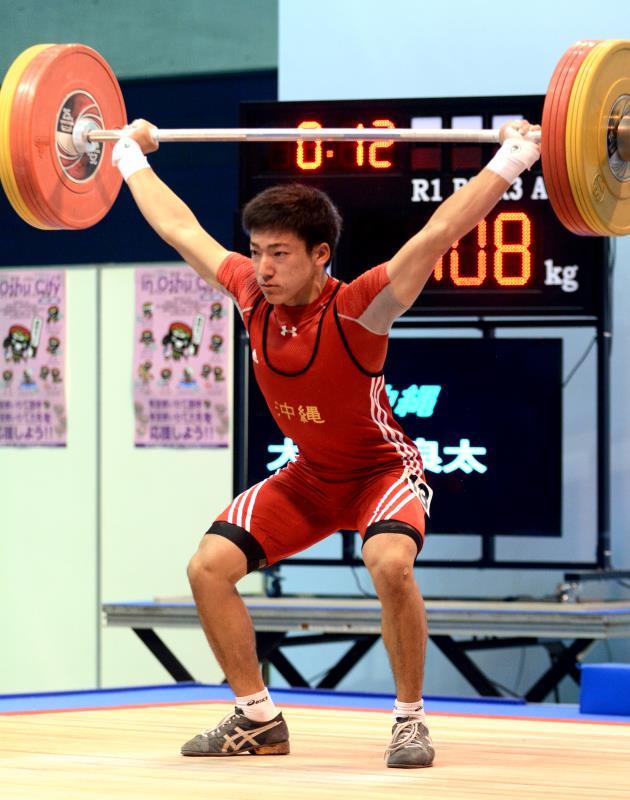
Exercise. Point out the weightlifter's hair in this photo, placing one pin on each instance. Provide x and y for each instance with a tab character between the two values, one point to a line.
307	212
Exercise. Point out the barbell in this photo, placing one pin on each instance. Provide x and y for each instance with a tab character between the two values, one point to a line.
60	104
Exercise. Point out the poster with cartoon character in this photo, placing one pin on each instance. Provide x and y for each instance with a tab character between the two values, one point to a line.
33	364
182	331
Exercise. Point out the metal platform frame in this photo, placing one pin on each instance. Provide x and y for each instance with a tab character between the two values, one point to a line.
282	623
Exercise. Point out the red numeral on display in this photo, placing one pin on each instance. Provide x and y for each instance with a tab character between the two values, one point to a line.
316	159
520	248
310	155
374	160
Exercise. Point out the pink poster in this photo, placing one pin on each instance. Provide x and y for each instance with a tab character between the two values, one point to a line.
32	379
182	333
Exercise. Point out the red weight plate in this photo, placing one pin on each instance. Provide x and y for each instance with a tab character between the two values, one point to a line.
549	136
18	137
74	190
553	144
551	133
554	139
581	225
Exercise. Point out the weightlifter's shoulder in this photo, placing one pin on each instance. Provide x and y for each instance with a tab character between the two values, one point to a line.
236	275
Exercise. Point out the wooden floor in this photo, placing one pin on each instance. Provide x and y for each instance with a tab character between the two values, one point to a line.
134	753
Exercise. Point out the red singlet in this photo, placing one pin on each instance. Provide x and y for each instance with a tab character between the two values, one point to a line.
320	370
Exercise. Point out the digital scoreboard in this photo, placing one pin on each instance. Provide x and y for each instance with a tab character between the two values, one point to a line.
519	261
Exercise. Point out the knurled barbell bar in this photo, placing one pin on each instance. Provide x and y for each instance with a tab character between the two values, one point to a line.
85	134
60	103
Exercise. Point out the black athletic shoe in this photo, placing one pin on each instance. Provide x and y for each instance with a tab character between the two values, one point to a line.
237	734
411	746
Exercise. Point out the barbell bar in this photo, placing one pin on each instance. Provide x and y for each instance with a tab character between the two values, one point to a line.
473	136
61	104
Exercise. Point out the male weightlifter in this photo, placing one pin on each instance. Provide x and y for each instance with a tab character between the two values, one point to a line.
314	340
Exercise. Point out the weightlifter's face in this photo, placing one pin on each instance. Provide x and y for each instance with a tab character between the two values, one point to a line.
286	271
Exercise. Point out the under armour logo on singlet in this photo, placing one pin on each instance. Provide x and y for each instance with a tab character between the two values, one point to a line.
284	330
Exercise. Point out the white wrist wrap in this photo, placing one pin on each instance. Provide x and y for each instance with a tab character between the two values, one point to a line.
513	157
128	157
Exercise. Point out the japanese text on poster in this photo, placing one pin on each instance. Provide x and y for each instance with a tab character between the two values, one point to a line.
180	360
32	379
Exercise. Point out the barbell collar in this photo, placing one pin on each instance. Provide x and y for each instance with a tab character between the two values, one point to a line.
623	138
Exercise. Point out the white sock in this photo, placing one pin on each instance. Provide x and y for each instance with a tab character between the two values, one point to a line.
413	710
259	707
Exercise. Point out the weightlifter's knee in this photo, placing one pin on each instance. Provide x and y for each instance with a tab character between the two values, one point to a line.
218	559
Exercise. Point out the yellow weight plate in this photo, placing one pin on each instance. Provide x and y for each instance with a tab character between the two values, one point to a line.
574	158
553	143
600	179
7	94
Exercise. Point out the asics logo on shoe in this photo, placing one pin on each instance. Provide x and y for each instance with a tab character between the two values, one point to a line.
242	738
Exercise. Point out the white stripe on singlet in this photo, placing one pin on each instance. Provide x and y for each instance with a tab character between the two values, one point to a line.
408	455
392	501
248	518
403	502
379	505
235	515
237	507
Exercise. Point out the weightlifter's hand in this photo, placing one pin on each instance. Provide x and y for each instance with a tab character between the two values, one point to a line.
129	153
518	150
144	133
517	128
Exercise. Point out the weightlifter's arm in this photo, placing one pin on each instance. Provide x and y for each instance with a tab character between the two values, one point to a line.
411	267
167	214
